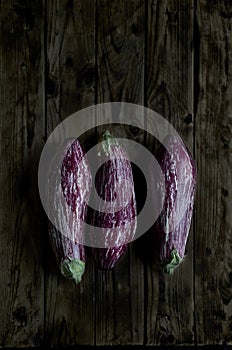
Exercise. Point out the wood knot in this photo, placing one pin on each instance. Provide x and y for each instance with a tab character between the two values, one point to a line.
86	76
52	86
134	130
20	315
188	119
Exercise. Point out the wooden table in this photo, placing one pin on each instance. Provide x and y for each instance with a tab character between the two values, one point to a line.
60	56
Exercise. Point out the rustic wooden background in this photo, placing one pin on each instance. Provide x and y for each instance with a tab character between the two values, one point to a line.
59	56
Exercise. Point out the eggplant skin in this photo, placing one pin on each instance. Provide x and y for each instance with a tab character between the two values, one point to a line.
107	258
172	227
115	168
70	172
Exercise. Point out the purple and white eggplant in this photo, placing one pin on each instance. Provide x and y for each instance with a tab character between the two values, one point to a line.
178	190
71	175
117	214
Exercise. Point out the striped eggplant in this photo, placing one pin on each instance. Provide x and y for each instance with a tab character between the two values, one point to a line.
117	212
71	175
177	192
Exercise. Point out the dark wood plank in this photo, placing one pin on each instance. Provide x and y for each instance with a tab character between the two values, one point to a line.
120	62
169	83
112	303
213	150
70	87
21	140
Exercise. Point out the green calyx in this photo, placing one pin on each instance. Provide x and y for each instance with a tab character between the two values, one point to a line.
172	262
107	140
73	269
105	135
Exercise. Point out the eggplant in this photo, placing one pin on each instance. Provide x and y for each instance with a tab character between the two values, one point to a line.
71	174
118	198
172	227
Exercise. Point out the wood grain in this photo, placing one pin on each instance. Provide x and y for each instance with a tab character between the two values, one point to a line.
60	56
213	244
120	63
70	86
21	135
169	91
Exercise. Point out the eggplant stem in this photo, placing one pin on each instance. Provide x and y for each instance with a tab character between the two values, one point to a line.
107	141
105	135
73	269
172	262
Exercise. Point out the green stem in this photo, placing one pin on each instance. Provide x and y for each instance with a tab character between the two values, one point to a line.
107	141
73	268
172	262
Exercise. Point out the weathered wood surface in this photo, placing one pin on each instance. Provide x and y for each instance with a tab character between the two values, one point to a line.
70	316
21	135
213	104
169	91
60	56
120	72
